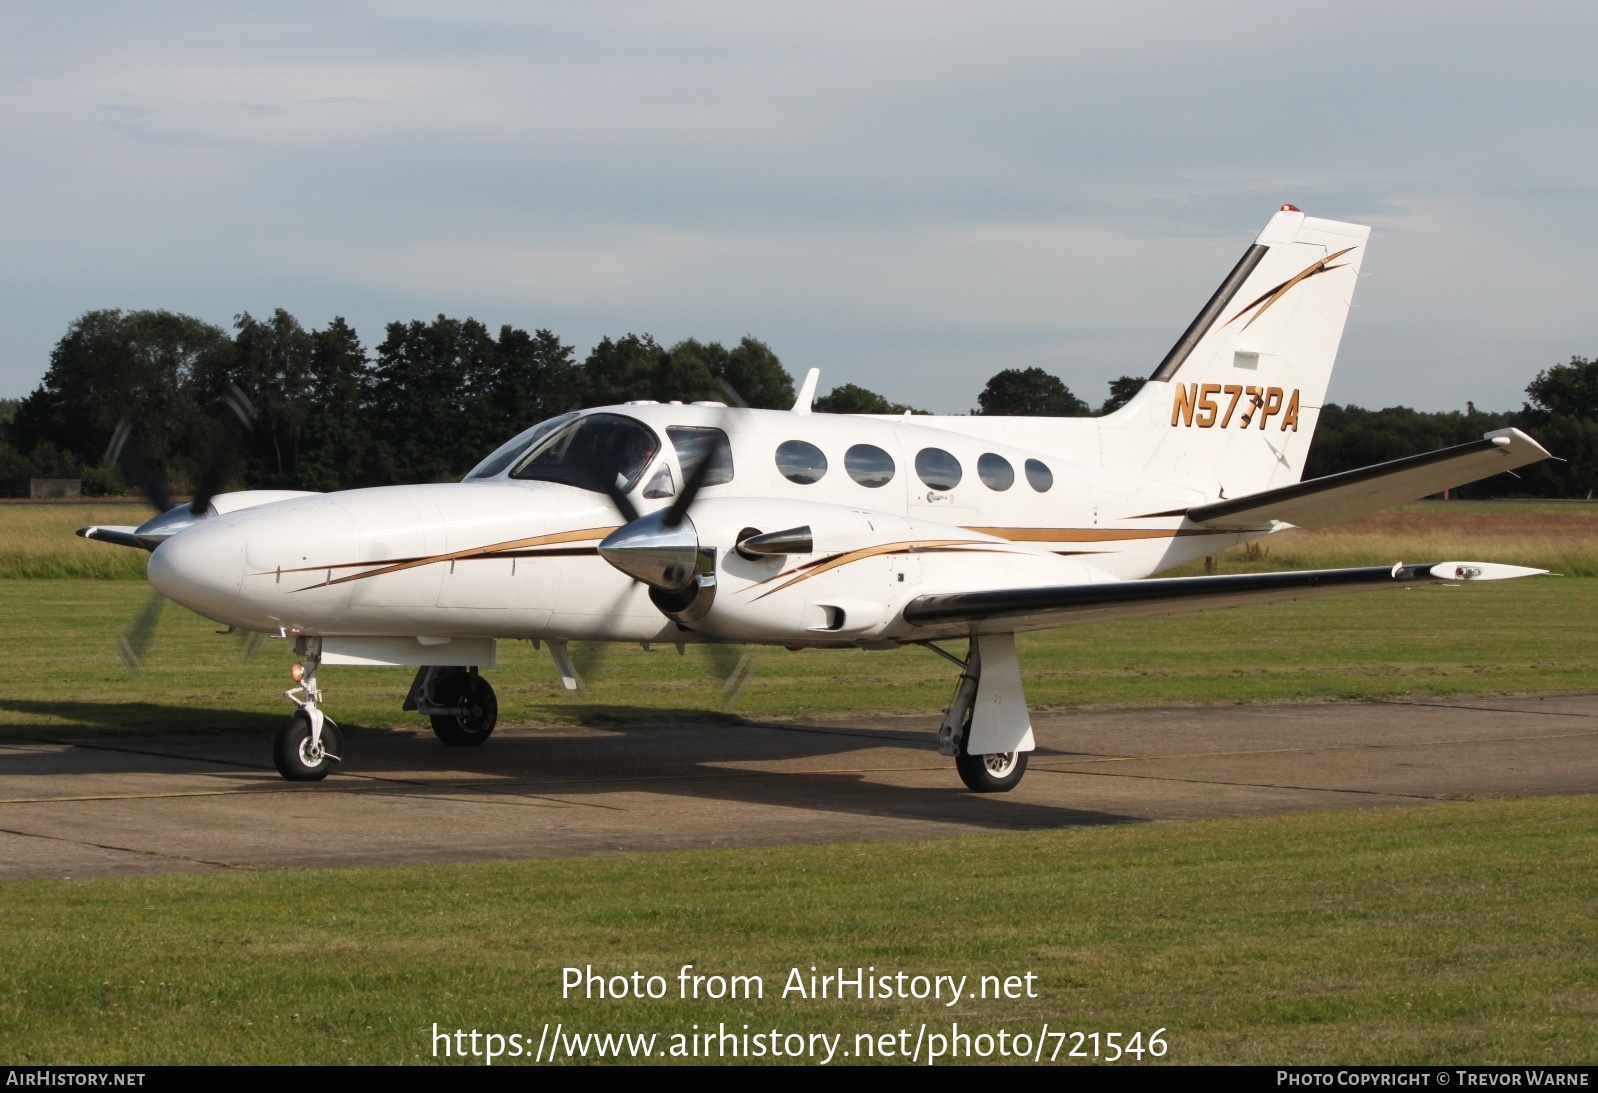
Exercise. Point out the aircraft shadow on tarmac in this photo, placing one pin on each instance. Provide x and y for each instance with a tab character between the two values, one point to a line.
130	719
834	768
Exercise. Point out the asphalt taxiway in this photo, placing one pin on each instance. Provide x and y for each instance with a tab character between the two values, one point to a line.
124	805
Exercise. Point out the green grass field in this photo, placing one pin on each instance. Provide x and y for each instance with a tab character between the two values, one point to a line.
1511	637
1446	934
1451	933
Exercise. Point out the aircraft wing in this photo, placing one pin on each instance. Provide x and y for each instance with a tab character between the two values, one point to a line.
121	536
1040	608
1321	502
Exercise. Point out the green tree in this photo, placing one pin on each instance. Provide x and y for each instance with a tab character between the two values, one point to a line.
1349	437
1029	392
1121	391
1568	389
851	398
427	412
626	370
273	366
336	441
141	366
1563	415
637	367
536	377
750	368
13	464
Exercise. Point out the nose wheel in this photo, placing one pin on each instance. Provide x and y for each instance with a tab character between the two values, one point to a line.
309	744
303	756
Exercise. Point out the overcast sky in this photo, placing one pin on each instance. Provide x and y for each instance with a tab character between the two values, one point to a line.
908	196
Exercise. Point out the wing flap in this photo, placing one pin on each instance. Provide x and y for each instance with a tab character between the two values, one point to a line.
1321	502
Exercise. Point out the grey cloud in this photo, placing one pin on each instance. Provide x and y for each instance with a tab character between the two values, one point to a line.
875	189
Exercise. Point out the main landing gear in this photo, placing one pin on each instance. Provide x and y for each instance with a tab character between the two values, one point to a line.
459	702
307	747
986	727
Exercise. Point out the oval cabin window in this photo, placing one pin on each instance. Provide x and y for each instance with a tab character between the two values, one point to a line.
995	472
869	465
1038	476
801	462
938	468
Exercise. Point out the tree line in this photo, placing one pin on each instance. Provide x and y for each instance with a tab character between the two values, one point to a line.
424	405
432	398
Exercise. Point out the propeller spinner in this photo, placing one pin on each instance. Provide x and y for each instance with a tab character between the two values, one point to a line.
654	552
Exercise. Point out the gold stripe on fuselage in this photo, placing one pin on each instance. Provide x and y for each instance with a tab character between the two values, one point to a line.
491	551
1090	535
917	546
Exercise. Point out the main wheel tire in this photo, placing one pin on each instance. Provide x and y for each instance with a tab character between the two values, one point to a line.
996	773
292	749
469	692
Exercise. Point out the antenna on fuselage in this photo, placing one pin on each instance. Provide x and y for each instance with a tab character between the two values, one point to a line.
807	392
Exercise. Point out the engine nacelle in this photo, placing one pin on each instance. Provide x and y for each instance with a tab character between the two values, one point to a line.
852	585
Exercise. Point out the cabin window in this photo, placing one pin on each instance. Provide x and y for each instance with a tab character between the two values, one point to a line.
600	452
1038	476
869	465
504	455
938	468
995	472
801	462
692	442
659	485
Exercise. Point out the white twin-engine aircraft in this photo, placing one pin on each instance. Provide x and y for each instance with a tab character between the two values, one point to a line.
672	523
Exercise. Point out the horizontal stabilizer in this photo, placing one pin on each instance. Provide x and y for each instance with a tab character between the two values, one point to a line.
994	610
1321	502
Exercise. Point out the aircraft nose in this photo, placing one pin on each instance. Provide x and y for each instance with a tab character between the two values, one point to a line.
201	567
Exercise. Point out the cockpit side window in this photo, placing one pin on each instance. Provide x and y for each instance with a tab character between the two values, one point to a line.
693	442
600	452
504	455
660	485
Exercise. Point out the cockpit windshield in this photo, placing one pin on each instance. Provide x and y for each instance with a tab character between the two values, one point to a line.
504	455
601	452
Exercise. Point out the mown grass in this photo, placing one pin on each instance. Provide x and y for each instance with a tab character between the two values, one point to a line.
37	541
1532	635
1561	537
1453	934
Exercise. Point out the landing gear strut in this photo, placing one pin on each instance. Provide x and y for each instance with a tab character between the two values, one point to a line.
459	702
308	745
986	727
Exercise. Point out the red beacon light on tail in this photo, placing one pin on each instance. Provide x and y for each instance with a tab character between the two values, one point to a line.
1291	209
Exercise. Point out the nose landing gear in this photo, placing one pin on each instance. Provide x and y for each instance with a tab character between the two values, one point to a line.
302	755
308	745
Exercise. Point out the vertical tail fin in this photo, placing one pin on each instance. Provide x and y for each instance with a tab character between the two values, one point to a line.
1232	407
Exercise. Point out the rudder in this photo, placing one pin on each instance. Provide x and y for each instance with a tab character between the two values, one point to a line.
1232	407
